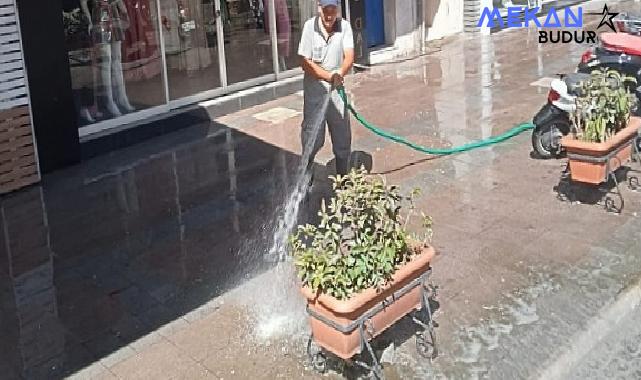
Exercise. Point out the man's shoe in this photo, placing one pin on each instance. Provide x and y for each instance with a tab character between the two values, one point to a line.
342	167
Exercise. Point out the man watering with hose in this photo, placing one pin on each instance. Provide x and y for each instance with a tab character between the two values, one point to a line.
327	53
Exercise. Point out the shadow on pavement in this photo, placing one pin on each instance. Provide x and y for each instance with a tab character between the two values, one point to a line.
106	252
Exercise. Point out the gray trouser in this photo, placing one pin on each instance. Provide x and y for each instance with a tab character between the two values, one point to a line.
337	119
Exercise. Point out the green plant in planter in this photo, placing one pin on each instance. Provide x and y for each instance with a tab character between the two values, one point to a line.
603	106
361	238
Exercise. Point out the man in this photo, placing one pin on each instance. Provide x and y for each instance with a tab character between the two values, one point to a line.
327	52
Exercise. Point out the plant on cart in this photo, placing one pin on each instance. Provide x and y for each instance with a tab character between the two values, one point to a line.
361	239
603	132
603	106
362	270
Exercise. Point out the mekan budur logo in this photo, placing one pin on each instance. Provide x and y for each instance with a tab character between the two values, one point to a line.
520	17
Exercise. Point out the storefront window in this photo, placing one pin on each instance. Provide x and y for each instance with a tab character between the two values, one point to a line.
115	48
291	15
503	5
114	57
248	49
191	46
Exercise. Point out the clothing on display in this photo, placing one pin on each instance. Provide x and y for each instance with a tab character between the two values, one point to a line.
256	13
107	22
185	34
224	12
141	51
170	24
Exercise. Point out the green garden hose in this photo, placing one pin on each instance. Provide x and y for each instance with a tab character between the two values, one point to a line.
435	151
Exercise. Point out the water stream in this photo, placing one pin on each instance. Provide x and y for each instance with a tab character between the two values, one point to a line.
289	214
281	312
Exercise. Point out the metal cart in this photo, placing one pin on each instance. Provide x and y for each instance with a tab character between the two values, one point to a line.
425	339
609	203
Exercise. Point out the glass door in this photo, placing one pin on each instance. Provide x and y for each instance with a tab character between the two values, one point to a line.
248	43
190	30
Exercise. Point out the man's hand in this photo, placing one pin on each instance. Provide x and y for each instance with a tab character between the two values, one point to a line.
337	80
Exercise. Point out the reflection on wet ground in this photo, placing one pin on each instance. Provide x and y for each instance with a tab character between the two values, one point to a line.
106	252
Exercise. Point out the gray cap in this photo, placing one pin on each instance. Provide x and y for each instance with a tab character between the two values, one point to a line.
327	3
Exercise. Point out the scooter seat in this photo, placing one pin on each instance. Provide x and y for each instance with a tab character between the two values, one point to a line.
622	43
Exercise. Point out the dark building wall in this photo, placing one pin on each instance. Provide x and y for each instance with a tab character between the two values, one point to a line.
45	54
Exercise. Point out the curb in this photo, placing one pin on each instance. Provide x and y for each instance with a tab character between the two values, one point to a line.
600	326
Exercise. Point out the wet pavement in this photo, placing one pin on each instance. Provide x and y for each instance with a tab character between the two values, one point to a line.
101	254
618	355
149	262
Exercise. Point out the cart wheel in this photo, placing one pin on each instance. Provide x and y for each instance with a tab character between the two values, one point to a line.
316	356
376	373
433	289
633	183
426	348
610	206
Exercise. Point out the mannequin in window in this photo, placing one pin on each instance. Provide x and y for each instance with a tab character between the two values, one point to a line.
108	20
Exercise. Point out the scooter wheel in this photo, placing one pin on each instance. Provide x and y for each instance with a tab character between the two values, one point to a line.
546	138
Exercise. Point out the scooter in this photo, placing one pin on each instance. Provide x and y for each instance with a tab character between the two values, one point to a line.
552	122
618	51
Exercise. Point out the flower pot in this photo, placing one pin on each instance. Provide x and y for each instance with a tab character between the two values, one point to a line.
347	312
591	163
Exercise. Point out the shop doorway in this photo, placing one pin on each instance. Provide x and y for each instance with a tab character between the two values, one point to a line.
374	22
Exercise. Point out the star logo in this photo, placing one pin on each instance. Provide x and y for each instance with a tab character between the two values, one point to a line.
607	18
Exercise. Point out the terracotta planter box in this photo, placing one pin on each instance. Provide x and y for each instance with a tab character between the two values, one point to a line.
346	345
594	170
